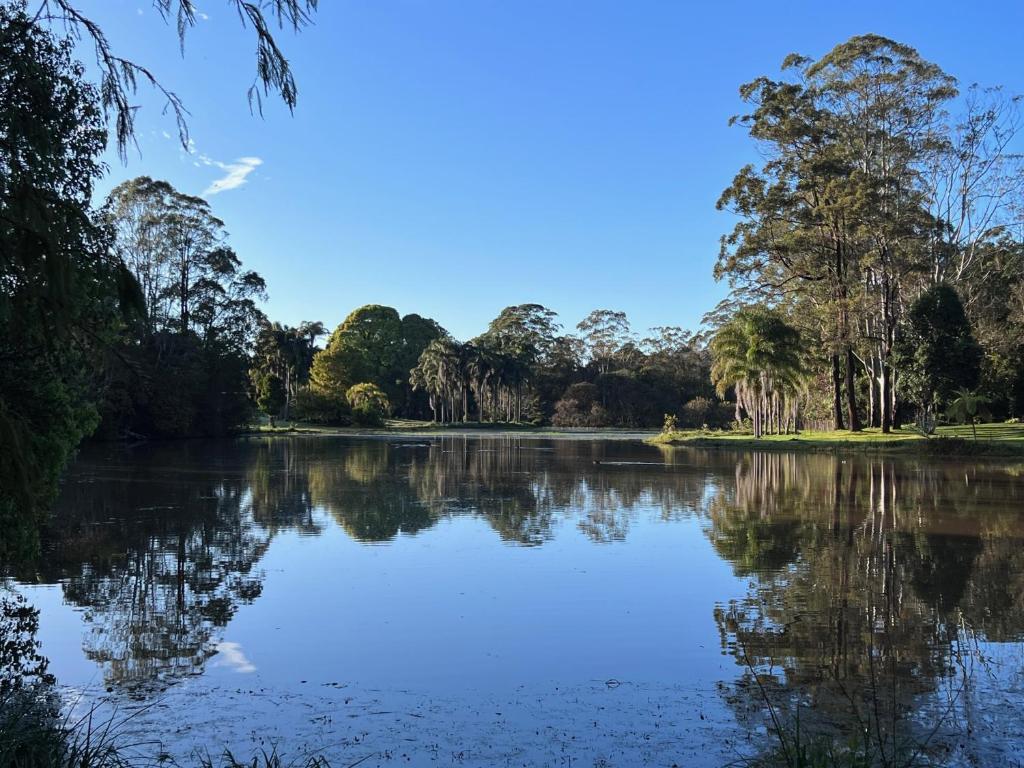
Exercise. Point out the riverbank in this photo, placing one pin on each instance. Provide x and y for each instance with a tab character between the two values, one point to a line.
991	440
1000	440
410	428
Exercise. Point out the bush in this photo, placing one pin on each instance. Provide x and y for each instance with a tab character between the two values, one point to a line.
579	407
318	408
369	404
705	412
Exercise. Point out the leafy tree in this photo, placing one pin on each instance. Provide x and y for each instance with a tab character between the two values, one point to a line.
270	395
287	354
365	348
580	406
839	219
182	371
369	403
175	247
62	294
516	343
417	334
937	352
604	333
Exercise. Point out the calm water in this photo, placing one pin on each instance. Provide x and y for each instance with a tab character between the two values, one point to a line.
509	601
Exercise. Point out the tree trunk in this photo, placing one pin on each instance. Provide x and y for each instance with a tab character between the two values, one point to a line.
837	395
852	417
885	396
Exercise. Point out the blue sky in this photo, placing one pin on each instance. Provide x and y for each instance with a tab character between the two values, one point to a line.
452	157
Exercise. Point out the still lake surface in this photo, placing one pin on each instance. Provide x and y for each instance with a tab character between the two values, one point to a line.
457	600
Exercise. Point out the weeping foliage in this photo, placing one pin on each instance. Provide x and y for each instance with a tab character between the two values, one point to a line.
757	354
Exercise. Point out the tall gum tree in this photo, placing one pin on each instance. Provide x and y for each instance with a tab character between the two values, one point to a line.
837	218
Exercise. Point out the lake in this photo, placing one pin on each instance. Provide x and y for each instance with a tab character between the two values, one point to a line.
454	600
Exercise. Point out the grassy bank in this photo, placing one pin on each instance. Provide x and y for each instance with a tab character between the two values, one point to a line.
992	439
408	427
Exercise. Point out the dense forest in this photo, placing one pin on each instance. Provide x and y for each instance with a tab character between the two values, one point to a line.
876	267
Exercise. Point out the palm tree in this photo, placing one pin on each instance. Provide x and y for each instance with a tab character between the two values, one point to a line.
758	355
967	406
440	373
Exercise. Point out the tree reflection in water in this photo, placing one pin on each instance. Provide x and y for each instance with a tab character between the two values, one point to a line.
865	574
875	585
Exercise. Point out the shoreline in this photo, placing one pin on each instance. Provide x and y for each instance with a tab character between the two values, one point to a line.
899	443
950	444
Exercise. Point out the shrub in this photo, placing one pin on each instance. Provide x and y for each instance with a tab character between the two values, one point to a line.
369	404
320	408
703	412
579	407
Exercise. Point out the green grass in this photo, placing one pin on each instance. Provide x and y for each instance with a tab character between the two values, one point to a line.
992	439
406	426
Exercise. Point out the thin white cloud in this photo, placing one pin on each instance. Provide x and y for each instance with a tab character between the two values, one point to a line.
231	655
203	16
235	173
165	134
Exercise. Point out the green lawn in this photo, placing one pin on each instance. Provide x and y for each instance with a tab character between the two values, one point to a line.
991	436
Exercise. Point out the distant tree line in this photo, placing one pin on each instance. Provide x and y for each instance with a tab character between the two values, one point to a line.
522	368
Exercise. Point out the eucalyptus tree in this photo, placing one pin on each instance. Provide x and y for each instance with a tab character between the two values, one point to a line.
176	248
794	238
975	189
838	217
889	104
604	333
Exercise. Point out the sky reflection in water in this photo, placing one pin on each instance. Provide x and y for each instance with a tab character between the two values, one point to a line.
469	569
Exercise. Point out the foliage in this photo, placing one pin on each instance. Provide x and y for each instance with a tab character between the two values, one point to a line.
705	412
286	355
375	345
183	369
580	406
873	190
757	354
936	352
61	293
310	405
21	663
521	369
968	407
369	404
270	395
119	76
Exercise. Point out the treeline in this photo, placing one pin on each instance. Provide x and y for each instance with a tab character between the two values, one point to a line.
878	252
522	368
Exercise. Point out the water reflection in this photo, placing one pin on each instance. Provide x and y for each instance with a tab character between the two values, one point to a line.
862	574
877	586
